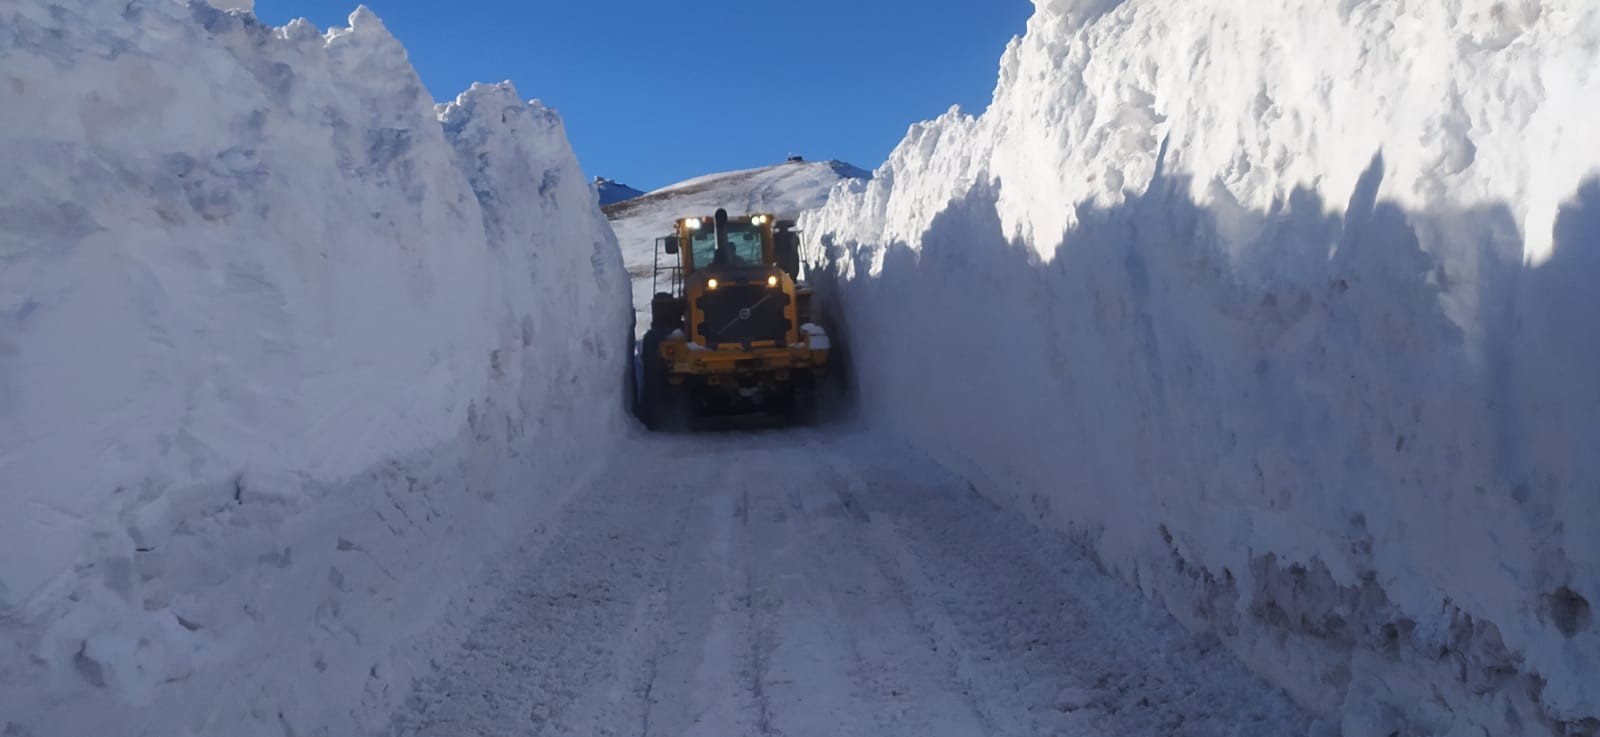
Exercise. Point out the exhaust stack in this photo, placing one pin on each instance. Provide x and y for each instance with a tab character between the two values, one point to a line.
724	251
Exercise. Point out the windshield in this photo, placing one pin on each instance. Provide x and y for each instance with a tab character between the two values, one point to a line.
744	239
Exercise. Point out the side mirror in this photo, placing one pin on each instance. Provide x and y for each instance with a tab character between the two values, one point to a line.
671	246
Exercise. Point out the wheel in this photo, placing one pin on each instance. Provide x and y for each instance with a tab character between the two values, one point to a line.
652	379
662	406
799	407
666	313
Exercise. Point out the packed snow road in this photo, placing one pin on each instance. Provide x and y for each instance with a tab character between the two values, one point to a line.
797	584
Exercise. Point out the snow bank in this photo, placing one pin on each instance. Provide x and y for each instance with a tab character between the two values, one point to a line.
1287	311
285	354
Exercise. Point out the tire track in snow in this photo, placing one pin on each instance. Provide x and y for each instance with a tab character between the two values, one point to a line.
700	640
545	660
795	585
1048	643
844	659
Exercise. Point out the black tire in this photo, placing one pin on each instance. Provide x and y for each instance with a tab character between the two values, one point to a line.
801	404
677	410
662	406
666	313
802	413
652	378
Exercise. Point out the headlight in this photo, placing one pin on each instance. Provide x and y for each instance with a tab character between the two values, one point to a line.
711	284
692	223
759	220
772	281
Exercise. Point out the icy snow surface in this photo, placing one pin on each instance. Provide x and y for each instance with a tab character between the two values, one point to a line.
285	354
1287	310
820	584
785	190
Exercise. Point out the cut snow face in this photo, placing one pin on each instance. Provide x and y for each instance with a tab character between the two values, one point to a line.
1295	302
285	350
785	190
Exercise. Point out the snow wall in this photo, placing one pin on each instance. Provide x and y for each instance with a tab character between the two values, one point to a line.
287	353
1287	311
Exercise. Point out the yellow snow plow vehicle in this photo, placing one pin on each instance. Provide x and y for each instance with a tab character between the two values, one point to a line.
731	330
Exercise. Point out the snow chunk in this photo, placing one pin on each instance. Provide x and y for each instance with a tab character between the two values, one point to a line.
816	338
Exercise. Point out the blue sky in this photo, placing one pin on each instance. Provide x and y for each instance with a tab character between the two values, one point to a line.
827	79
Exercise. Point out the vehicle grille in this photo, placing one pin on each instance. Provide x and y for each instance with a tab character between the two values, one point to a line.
740	313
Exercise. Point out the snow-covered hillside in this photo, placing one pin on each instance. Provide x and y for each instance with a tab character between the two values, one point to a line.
1287	310
611	192
786	189
285	354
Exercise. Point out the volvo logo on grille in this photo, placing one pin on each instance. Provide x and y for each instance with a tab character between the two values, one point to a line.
744	314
